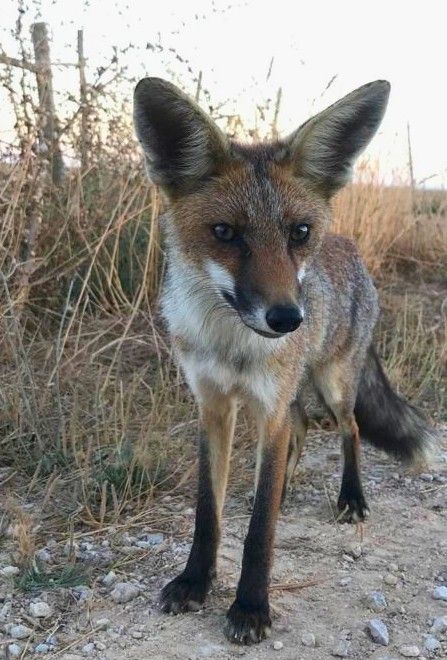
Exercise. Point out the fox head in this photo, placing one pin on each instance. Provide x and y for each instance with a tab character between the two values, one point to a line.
249	219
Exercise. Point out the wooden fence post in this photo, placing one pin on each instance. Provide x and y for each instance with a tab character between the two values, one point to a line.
48	121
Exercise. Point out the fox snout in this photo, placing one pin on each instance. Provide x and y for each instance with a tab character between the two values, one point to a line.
284	318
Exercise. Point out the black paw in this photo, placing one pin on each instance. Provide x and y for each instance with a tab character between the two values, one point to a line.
183	594
247	625
352	508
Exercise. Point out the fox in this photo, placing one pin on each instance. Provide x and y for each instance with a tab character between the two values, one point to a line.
266	308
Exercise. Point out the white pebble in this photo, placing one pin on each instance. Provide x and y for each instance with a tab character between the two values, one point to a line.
439	624
440	593
109	579
88	649
9	571
19	631
123	592
379	632
390	579
308	639
409	651
102	624
341	650
431	644
40	610
14	650
42	648
277	645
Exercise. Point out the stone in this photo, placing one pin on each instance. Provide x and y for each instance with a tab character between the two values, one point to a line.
102	624
43	555
376	601
378	631
308	639
440	593
431	644
109	579
390	579
40	610
277	645
19	631
14	650
439	625
409	651
341	649
42	648
9	571
123	592
353	549
88	648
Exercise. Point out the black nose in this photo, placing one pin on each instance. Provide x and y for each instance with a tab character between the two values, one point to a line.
284	318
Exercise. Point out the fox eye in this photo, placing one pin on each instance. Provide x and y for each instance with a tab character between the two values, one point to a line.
299	233
224	232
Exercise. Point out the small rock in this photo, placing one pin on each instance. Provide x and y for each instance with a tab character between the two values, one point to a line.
109	579
439	624
431	644
154	539
393	567
137	634
43	555
308	639
40	610
9	571
123	592
277	645
82	592
19	631
341	650
426	477
344	581
440	593
42	648
353	549
102	624
100	646
376	601
14	650
409	651
88	649
390	579
378	631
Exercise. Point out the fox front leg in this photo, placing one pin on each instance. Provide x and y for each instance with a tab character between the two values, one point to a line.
189	589
248	619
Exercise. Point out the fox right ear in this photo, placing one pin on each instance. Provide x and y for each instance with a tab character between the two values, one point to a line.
181	143
324	148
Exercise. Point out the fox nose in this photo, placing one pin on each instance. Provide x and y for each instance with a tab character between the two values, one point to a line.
284	318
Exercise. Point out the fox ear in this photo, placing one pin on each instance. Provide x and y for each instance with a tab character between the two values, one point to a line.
324	148
182	145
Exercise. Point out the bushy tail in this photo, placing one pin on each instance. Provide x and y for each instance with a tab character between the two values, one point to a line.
387	420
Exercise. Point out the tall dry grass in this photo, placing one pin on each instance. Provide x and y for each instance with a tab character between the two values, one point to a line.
95	419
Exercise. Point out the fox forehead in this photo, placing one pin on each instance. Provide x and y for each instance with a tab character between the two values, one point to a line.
253	191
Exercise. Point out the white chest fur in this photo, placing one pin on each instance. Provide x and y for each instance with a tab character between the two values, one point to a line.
221	351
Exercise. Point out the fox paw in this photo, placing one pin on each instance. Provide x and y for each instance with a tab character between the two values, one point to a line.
246	625
183	594
352	509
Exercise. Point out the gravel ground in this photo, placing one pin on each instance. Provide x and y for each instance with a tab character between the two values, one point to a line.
333	594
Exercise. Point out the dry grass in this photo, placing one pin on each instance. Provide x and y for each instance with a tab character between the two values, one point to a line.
95	419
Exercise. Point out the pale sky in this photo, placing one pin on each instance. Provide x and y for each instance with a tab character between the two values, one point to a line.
233	44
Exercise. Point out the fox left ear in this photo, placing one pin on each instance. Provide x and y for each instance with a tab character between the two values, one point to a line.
324	148
181	143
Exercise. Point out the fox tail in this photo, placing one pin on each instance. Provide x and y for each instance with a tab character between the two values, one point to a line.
387	420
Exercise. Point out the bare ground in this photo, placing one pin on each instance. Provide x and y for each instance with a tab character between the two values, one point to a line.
318	587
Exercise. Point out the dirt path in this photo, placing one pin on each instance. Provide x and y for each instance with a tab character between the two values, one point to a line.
403	556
